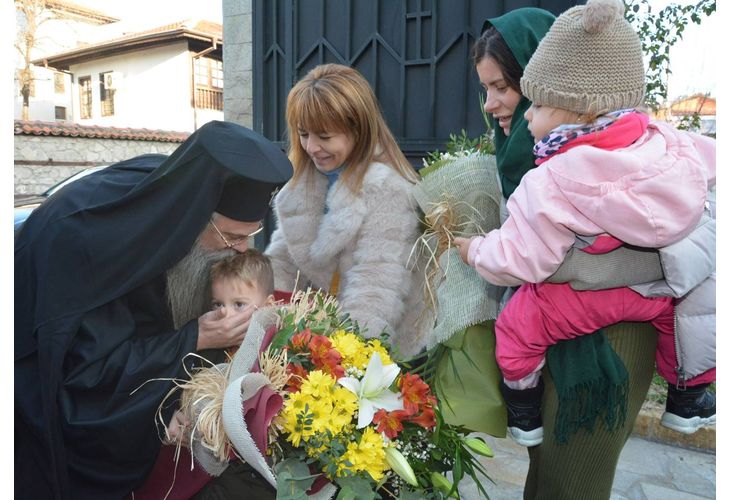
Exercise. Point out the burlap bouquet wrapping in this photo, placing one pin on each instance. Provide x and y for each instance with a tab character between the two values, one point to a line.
467	376
470	187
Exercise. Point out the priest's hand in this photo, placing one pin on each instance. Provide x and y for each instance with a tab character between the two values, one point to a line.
223	327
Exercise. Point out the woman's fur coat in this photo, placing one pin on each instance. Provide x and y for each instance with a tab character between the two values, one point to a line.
367	236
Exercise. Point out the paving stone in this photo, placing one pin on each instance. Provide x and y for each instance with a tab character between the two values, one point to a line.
624	481
615	496
646	471
644	457
693	472
658	492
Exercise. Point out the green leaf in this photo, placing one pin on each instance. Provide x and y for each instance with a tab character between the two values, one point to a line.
458	472
355	488
281	338
293	479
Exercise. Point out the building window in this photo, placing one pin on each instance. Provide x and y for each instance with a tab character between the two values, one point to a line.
60	113
106	93
59	82
208	83
85	96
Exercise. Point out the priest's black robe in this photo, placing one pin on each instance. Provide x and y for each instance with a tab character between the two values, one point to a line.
92	325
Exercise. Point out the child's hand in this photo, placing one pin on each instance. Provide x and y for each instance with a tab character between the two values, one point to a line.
463	245
177	429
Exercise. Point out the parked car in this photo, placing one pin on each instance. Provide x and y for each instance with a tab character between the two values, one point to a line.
25	204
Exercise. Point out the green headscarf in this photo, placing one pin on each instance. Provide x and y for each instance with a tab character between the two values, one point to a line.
522	30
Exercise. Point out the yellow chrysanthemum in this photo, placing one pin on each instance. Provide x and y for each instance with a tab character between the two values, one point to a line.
374	345
318	385
345	405
294	417
329	407
366	455
350	346
321	410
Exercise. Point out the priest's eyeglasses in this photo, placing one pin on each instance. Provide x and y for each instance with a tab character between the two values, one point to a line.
237	241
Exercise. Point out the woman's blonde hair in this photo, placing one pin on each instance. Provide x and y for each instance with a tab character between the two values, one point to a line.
336	98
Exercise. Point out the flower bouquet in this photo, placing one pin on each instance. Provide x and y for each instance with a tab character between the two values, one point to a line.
322	410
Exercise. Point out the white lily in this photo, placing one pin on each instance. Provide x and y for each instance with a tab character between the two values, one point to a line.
372	390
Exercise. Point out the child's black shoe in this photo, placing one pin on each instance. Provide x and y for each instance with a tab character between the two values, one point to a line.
524	415
689	409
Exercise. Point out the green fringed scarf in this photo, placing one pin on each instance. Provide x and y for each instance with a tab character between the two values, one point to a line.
591	382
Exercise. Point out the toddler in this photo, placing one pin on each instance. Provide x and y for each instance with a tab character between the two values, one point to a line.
607	176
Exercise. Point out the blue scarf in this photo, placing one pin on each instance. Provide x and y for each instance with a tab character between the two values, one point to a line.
332	177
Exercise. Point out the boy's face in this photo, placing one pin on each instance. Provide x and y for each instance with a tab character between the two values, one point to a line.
235	295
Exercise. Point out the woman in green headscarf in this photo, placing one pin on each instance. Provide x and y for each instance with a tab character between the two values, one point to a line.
583	467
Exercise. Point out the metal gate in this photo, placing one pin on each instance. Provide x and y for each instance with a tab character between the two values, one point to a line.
414	53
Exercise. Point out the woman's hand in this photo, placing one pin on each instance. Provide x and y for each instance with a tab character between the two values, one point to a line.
463	244
219	329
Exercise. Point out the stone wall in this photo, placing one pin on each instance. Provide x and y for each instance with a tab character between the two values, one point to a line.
238	62
42	161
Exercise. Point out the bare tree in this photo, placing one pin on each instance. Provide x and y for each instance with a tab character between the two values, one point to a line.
33	13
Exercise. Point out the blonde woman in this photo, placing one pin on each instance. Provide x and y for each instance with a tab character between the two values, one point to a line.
346	220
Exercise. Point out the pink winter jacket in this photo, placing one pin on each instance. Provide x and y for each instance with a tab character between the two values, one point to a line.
650	194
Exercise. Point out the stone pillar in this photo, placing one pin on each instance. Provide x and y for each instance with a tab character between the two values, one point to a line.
238	62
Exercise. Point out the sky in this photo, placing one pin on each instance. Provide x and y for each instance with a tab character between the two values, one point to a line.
694	58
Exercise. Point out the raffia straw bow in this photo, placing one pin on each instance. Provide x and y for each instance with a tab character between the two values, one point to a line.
444	220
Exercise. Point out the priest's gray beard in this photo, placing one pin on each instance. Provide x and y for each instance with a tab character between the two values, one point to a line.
188	283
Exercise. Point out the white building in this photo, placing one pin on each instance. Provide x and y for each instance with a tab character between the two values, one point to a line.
61	26
168	78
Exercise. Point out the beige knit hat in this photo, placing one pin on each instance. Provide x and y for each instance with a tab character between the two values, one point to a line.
589	62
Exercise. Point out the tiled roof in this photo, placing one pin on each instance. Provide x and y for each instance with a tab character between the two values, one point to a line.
699	103
201	26
206	31
68	129
207	28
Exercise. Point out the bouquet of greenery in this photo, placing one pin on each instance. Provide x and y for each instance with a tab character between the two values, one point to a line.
324	411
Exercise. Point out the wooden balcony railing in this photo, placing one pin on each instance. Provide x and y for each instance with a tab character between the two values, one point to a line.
209	99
